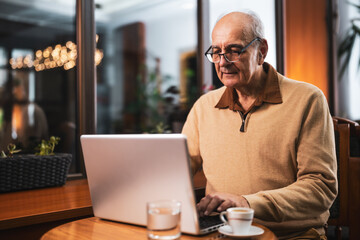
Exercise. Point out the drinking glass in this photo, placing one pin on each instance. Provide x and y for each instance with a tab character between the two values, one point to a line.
163	219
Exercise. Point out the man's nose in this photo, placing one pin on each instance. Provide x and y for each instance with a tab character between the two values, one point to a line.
223	61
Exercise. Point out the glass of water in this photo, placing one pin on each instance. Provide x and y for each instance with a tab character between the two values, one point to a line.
163	219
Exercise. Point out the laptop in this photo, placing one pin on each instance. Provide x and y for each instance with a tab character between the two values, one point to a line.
125	171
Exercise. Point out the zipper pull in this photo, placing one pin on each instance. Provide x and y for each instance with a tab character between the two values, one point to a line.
243	117
242	128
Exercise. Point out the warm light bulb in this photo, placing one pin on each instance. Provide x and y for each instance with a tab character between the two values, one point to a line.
70	44
38	54
55	53
72	54
27	59
52	64
46	53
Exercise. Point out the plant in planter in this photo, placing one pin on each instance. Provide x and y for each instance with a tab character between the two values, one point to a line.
28	171
11	150
347	43
47	147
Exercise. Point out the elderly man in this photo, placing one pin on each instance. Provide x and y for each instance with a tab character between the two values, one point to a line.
264	141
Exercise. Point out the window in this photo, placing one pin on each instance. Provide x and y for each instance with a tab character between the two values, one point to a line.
38	74
148	77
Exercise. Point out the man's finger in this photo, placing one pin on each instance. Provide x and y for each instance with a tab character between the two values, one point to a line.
202	205
213	204
225	205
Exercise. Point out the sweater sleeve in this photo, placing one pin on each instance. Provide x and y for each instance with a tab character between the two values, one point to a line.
191	131
316	185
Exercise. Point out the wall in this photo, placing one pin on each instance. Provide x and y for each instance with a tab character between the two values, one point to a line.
306	56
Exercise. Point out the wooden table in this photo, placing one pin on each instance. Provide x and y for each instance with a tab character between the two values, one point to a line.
29	214
97	229
42	205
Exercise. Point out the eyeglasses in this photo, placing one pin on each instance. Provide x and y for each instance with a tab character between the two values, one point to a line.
232	56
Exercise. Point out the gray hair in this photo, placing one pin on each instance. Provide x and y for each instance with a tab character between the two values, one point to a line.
256	25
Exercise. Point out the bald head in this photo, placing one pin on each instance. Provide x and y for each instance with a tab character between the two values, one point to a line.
248	24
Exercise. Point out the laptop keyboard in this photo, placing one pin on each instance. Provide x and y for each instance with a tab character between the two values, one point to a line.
209	221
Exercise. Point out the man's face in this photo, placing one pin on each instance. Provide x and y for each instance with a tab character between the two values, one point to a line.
229	36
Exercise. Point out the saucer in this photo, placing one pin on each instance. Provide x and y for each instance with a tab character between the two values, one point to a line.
254	231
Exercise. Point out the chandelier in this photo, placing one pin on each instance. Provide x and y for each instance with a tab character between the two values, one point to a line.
53	57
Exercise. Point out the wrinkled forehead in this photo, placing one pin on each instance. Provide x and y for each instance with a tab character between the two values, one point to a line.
232	29
227	35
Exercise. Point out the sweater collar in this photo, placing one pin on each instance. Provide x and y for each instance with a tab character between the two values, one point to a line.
271	93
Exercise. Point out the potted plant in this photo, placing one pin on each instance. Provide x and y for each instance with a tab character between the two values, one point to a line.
44	168
346	46
151	108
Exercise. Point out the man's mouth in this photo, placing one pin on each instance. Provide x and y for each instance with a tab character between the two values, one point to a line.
227	71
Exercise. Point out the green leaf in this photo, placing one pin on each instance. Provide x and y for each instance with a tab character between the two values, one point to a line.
47	147
355	28
12	149
345	48
354	5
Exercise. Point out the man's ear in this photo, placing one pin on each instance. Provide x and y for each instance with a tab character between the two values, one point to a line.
263	50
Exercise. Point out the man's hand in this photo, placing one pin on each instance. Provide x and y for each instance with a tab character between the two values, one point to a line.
219	202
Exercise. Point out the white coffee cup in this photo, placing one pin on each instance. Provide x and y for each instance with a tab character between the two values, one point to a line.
239	219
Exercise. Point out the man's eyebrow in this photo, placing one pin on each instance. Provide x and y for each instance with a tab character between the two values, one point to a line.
214	46
228	46
234	45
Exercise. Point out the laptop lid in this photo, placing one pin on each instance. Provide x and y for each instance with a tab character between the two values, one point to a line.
126	171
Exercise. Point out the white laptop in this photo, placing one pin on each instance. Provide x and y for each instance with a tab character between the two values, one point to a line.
126	171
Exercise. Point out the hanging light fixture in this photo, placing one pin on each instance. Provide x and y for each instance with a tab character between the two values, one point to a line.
53	57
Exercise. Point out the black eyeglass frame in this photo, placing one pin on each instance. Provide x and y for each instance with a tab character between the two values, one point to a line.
209	55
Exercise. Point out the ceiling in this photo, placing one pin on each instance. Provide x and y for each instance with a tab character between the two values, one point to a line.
35	23
41	11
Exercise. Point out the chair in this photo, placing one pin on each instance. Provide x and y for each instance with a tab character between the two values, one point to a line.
354	198
339	210
354	135
353	178
354	126
346	209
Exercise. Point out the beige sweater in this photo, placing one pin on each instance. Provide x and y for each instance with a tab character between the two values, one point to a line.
284	163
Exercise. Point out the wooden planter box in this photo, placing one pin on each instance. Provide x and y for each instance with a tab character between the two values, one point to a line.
22	172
